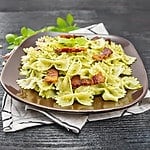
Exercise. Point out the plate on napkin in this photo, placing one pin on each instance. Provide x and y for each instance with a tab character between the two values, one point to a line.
10	74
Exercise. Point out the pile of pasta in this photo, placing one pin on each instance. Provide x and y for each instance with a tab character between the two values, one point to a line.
71	68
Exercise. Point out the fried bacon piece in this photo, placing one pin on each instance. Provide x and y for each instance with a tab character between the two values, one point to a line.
70	49
96	79
103	55
86	82
52	76
68	36
76	81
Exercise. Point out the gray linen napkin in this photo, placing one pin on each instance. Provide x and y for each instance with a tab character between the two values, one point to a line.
17	115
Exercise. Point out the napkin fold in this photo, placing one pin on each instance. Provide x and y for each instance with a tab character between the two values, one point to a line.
17	115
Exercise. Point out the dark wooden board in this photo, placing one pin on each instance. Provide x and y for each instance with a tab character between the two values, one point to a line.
130	19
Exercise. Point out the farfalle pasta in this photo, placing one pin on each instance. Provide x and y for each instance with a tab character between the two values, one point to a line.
71	68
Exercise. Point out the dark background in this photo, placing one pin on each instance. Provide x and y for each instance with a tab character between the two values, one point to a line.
126	18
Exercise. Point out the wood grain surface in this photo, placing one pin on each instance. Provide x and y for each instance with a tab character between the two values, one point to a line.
126	18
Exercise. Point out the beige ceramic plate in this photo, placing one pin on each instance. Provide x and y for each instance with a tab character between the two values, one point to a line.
10	74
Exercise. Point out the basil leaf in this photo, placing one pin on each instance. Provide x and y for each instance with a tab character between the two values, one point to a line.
18	40
30	32
61	23
24	31
10	47
10	38
69	19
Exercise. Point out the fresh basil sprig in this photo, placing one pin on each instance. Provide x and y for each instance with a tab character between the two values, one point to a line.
62	25
14	40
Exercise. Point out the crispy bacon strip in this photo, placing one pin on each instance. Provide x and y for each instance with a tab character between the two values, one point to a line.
96	79
76	81
52	76
68	36
70	49
103	55
86	82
